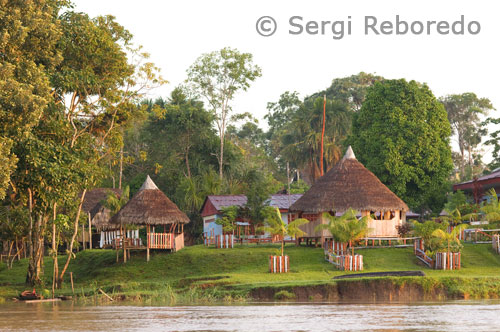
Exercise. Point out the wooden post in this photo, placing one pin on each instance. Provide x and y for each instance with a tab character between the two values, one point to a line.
123	245
147	243
90	233
83	236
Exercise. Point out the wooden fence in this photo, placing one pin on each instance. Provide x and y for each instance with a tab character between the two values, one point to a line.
209	238
161	240
385	242
338	248
345	262
279	264
224	241
495	241
447	261
442	261
479	235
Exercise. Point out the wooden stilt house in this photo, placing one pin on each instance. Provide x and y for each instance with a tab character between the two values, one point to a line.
350	185
163	220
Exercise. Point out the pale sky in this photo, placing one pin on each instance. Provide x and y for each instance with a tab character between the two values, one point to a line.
175	33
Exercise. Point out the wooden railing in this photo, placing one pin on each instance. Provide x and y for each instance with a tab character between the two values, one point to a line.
418	247
385	242
161	240
479	235
130	243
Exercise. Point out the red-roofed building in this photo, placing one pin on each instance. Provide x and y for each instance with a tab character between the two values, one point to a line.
211	209
481	184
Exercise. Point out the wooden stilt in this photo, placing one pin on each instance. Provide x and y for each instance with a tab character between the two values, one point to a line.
124	246
83	236
147	243
90	233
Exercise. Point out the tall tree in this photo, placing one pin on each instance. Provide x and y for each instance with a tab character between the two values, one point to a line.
494	140
464	111
350	90
402	134
301	138
29	32
95	87
217	77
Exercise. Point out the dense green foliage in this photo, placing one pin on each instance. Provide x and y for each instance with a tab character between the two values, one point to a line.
402	134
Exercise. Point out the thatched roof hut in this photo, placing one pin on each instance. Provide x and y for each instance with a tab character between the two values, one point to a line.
149	206
99	214
348	185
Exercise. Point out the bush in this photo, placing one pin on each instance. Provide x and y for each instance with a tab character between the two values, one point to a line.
284	295
405	229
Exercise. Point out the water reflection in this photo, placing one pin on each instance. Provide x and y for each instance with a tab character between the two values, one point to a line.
455	316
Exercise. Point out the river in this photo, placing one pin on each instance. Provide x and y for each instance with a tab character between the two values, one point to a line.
450	316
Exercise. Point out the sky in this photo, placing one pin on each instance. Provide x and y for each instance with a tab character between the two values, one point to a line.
176	33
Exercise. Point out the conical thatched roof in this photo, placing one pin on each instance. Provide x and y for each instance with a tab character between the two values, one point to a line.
149	206
348	185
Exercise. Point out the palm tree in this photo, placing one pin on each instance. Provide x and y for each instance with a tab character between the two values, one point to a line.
346	228
449	237
454	217
114	203
492	208
275	225
301	137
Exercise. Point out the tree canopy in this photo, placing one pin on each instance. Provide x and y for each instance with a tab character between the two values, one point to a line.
402	135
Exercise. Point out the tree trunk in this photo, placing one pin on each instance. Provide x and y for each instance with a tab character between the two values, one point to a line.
121	168
221	155
283	246
35	271
75	232
55	272
470	157
8	255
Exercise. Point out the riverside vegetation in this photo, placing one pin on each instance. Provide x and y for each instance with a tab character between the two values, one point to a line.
199	274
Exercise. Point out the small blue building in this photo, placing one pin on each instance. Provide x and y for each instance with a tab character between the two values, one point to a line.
212	207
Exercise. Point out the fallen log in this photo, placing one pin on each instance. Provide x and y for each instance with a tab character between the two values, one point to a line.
382	274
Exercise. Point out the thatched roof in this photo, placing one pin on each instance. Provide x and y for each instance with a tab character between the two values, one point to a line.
149	206
99	215
94	197
348	185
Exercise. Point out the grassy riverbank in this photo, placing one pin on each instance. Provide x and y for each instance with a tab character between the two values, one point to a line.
207	274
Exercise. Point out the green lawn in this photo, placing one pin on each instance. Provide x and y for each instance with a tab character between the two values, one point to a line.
242	268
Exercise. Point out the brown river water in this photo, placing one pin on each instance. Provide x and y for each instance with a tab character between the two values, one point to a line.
449	316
